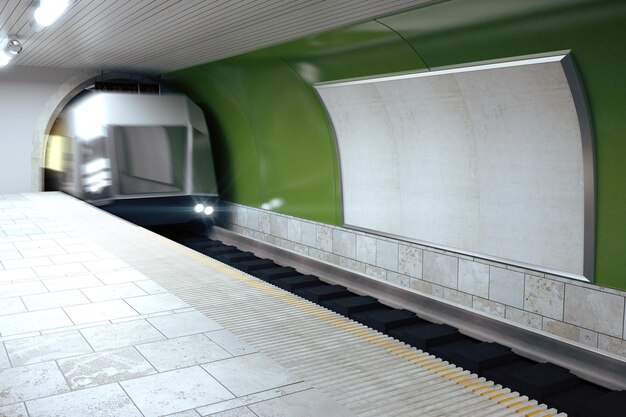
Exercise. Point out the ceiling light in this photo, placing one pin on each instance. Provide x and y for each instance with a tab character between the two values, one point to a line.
49	11
13	48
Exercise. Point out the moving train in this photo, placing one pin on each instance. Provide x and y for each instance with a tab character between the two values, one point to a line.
145	157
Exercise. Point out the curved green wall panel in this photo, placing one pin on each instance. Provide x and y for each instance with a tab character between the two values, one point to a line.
273	142
235	158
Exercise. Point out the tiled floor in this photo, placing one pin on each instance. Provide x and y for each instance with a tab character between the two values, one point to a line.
84	333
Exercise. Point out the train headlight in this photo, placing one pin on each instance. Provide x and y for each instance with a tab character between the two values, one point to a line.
198	208
208	210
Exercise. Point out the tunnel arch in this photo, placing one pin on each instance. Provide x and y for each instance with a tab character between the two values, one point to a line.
55	105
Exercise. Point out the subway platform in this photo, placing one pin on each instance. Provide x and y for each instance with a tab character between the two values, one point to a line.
99	317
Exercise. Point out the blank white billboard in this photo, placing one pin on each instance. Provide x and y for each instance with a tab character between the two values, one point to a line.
490	160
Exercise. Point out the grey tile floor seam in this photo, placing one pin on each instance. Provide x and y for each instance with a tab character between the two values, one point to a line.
85	332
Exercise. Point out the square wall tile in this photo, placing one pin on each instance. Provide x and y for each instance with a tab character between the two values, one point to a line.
506	287
309	234
294	230
457	297
352	265
489	307
366	249
594	310
474	278
252	219
375	272
264	222
403	280
421	286
387	255
544	296
324	238
441	269
410	261
344	243
571	332
612	344
523	317
278	226
242	216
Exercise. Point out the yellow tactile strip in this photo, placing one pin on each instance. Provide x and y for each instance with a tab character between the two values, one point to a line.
521	405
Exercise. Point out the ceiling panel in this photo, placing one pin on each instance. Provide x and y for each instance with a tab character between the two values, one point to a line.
165	35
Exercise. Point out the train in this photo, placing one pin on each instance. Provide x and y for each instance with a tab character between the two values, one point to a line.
144	157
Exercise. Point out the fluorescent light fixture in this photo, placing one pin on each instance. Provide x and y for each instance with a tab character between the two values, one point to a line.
49	11
198	208
4	58
208	210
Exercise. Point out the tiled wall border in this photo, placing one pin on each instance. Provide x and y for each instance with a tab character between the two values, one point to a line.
578	311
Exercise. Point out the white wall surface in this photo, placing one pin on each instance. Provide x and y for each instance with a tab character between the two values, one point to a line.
24	93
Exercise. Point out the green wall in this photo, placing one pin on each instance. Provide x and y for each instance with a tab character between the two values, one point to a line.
273	141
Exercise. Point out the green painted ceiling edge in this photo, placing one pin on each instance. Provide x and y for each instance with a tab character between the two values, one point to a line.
460	31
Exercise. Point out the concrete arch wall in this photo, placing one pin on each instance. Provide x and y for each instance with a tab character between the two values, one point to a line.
53	107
